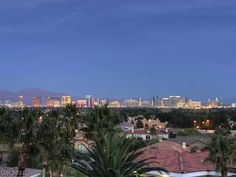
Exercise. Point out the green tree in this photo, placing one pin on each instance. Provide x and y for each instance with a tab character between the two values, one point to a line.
137	143
110	158
56	140
100	120
153	131
27	136
10	124
13	158
146	126
222	152
139	124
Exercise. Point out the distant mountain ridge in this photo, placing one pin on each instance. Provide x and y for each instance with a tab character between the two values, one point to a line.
28	94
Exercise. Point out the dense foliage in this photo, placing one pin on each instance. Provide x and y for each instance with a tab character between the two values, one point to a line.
44	138
222	153
184	118
99	121
39	139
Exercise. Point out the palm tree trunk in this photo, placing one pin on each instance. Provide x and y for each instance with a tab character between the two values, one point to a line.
224	173
45	166
50	171
44	172
22	165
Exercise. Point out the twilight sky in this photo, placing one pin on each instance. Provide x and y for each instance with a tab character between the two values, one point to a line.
119	48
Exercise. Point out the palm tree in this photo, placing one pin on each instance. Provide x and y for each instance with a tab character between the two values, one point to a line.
222	152
98	121
111	158
27	135
55	137
9	126
45	137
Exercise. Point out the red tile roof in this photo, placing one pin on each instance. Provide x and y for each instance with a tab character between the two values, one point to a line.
174	158
138	132
145	132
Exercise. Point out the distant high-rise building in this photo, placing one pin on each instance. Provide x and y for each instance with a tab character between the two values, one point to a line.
194	104
146	103
21	103
213	103
155	100
81	103
233	105
53	102
165	102
114	104
131	103
104	102
89	101
36	101
66	100
140	102
170	102
175	100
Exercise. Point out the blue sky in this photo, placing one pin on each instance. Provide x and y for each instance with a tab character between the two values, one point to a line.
120	48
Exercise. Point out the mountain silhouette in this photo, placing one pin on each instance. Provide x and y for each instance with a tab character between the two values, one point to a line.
28	94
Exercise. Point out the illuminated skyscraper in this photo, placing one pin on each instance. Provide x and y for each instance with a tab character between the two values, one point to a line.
213	103
89	101
81	103
36	101
140	102
154	101
21	102
194	104
66	100
53	102
171	101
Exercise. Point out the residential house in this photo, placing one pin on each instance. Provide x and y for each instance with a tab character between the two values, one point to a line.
179	161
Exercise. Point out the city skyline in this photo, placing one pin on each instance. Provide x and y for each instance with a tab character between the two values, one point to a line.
41	97
176	102
119	48
37	92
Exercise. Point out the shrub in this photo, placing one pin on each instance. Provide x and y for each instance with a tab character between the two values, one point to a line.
193	149
139	124
13	158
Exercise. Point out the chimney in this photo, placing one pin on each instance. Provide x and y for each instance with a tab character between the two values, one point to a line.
184	145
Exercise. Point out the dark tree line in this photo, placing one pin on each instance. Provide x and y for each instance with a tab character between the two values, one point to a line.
184	118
